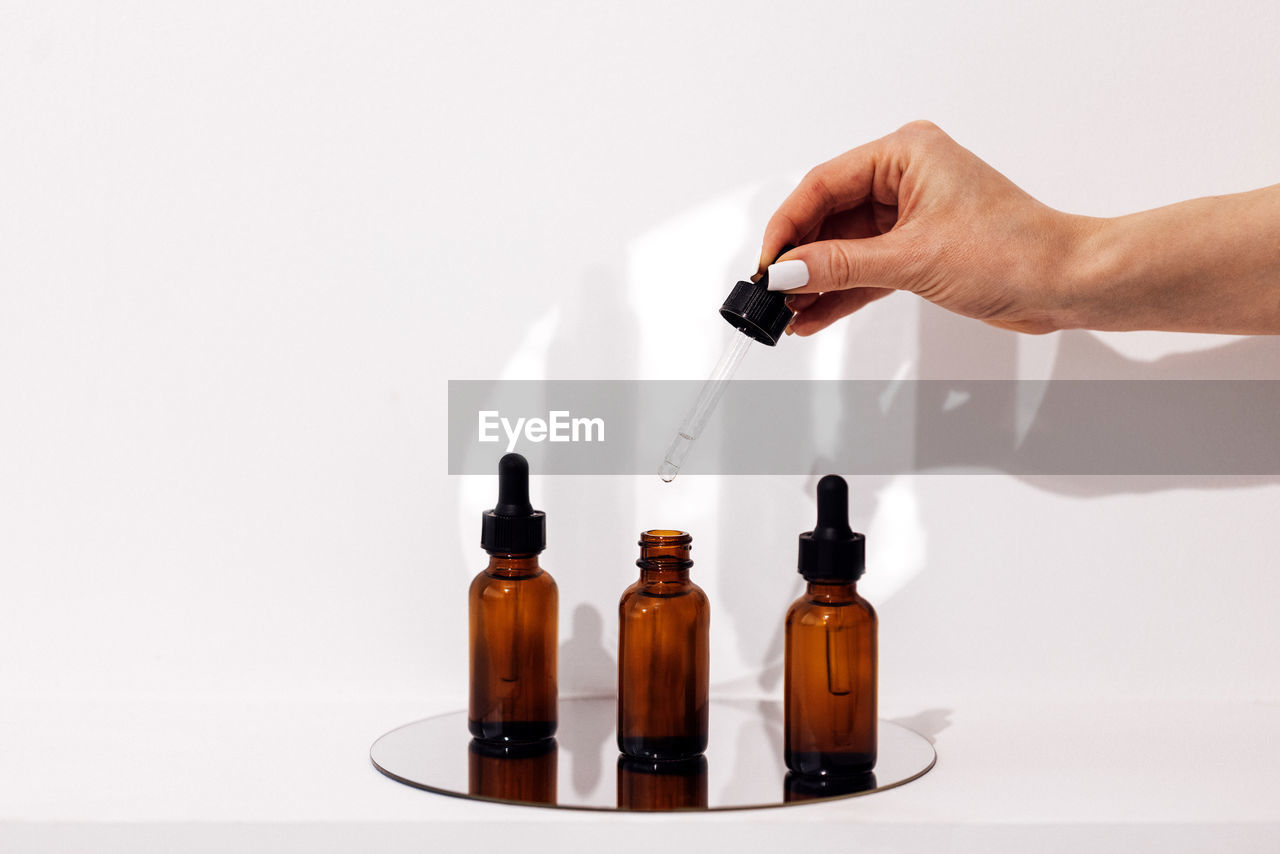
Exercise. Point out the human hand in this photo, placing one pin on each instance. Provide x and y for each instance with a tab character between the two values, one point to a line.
915	211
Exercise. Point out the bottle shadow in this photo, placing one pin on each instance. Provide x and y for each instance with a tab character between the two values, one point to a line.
927	723
591	665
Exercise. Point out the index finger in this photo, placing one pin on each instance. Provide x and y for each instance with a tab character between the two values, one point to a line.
837	185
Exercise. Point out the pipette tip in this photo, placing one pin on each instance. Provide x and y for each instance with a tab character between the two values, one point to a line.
668	471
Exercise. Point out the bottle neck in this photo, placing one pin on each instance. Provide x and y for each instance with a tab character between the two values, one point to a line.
832	592
664	557
513	566
663	574
664	564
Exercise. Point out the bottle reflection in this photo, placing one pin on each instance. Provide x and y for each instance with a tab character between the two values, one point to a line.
804	787
673	784
513	772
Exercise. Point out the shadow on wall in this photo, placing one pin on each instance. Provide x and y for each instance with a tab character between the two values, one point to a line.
927	723
593	666
585	661
596	334
951	345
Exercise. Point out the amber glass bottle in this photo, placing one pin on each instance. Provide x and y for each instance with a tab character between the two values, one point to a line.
513	772
652	784
664	654
514	606
830	670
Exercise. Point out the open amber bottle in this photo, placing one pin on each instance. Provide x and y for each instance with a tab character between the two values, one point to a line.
514	606
829	707
664	656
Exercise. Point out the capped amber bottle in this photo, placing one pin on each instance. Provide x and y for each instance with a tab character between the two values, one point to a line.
514	608
664	654
829	707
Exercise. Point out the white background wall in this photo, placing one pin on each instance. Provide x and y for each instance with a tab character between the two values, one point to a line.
242	248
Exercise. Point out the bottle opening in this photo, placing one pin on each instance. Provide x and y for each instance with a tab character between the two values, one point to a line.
665	547
663	535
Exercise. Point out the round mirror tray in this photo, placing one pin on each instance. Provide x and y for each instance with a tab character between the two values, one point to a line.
581	767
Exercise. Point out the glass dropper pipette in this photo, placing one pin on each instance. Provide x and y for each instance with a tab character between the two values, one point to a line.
758	314
712	390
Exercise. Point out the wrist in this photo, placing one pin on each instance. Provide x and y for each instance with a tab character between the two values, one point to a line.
1203	265
1093	277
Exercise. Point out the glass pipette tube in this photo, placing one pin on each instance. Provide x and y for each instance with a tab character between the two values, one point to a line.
708	398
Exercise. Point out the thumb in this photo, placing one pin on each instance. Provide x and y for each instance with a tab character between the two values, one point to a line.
883	261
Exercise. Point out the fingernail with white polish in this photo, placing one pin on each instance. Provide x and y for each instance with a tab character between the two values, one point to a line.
786	275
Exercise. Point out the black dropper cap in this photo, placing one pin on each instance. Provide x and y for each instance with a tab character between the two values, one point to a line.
513	527
757	311
832	551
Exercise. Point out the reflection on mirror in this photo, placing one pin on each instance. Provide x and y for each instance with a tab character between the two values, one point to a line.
802	787
647	784
581	768
525	773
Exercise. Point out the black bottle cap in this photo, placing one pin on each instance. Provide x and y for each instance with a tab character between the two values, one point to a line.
832	551
513	527
757	311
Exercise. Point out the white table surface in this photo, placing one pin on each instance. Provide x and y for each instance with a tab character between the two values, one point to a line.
108	774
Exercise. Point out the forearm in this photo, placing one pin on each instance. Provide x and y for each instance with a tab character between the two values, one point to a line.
1205	265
